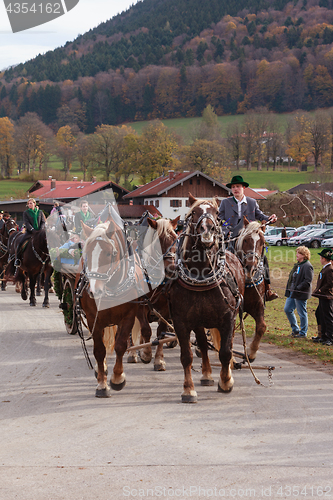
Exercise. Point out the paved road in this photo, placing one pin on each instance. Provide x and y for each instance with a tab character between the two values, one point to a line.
59	442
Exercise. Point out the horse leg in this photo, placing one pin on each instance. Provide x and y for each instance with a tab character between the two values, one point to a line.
226	381
47	280
38	290
145	353
206	378
102	390
189	395
159	363
32	284
118	379
258	317
21	280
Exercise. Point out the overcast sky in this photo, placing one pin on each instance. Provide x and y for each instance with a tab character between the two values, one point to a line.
20	47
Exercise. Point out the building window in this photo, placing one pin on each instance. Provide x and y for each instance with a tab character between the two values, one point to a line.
198	180
157	203
146	202
191	181
175	203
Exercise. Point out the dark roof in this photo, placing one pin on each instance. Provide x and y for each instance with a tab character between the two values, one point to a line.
311	186
166	182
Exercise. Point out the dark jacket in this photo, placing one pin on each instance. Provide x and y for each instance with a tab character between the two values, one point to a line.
299	286
228	211
28	221
324	288
78	218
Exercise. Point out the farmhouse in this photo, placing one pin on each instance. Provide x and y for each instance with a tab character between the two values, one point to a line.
169	193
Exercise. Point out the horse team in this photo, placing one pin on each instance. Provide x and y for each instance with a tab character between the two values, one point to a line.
205	287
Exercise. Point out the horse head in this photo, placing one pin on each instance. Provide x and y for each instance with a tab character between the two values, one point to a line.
250	246
165	230
103	253
203	219
9	226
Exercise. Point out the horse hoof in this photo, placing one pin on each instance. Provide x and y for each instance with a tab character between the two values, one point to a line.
188	398
219	389
46	304
103	393
24	296
32	304
144	360
38	294
160	367
132	358
207	382
251	360
117	387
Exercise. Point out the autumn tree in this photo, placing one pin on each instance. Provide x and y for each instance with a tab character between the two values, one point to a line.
259	129
109	149
158	147
32	139
318	136
6	146
234	141
248	139
299	142
66	147
274	140
84	152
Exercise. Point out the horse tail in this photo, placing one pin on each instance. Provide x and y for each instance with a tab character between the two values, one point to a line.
109	338
216	338
136	331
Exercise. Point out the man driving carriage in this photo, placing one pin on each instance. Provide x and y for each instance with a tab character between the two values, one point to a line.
233	209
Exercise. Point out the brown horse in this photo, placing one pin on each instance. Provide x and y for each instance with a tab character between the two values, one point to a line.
250	246
207	294
35	260
9	226
165	230
111	282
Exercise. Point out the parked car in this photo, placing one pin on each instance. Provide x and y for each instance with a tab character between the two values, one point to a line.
327	243
314	239
295	239
276	239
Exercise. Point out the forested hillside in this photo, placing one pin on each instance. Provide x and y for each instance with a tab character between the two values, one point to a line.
171	58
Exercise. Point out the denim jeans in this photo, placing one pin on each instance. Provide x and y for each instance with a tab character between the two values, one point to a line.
289	308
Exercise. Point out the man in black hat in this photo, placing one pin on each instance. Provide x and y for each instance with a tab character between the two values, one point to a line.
324	291
232	210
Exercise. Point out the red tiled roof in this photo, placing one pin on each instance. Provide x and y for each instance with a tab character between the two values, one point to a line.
165	183
135	211
70	189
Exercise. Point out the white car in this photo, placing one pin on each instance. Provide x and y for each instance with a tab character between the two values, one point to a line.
327	243
276	239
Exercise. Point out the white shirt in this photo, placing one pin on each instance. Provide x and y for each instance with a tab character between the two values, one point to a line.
239	204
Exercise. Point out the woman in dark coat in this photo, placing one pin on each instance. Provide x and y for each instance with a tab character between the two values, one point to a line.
298	291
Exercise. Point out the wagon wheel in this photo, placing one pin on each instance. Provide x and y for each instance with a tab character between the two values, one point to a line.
315	244
69	314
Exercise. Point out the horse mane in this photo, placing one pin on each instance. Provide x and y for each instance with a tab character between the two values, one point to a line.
252	227
213	203
163	225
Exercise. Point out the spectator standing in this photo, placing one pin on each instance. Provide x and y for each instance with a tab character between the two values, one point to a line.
324	292
298	291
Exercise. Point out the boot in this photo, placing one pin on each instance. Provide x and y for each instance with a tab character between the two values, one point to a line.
269	294
318	337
